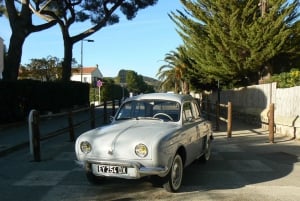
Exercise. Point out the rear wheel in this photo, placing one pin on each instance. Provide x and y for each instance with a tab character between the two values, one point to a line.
174	177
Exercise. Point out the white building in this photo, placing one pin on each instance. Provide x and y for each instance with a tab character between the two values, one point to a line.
86	74
1	57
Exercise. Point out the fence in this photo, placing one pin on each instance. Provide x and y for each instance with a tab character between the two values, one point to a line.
109	108
252	105
218	114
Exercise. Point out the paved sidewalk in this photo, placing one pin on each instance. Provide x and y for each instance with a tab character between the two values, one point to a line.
250	135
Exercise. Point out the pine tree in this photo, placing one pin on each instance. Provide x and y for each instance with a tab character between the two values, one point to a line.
232	42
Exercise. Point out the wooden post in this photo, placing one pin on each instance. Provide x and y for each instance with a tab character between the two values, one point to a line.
36	136
92	113
208	109
217	107
113	108
271	123
229	120
105	112
71	126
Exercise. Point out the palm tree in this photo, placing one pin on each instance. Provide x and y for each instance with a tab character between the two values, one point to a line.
166	74
174	72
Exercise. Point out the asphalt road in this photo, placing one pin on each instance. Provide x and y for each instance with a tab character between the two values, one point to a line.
244	167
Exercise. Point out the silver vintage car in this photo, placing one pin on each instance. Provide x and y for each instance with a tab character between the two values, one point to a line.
152	135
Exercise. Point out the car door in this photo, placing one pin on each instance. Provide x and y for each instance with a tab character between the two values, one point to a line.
192	130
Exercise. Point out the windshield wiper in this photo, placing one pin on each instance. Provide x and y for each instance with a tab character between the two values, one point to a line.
125	118
149	118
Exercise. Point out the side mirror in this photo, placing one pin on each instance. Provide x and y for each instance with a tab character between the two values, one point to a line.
190	119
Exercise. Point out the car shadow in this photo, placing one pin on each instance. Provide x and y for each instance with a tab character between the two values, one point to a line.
247	158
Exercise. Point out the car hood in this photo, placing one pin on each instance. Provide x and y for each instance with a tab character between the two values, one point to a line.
120	138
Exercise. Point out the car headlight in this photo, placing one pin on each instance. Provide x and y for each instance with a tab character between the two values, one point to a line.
141	150
85	147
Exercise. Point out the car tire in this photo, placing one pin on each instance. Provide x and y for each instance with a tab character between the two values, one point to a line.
207	150
173	180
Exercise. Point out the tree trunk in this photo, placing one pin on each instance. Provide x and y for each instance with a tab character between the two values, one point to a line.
14	55
67	63
185	87
21	26
176	88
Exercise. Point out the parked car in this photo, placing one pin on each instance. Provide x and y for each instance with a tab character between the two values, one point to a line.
154	135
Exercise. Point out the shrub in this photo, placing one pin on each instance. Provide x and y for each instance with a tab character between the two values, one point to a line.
287	79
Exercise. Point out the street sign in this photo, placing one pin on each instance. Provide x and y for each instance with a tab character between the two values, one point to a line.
99	83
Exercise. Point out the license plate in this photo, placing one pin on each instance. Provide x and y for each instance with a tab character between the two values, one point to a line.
112	169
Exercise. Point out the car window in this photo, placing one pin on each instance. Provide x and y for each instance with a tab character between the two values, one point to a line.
187	112
139	110
170	108
125	112
150	108
195	110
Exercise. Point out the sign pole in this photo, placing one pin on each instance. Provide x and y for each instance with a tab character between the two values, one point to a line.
99	85
99	95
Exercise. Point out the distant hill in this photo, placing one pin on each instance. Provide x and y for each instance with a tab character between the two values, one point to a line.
151	81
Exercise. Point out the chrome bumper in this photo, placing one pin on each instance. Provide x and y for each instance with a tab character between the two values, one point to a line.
135	170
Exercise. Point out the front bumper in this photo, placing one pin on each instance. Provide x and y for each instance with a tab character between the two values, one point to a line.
135	170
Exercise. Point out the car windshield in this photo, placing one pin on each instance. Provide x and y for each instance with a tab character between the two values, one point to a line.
149	109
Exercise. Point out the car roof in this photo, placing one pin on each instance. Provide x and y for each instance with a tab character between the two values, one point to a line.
162	96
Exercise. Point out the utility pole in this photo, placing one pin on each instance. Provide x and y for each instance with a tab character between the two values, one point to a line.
81	54
1	57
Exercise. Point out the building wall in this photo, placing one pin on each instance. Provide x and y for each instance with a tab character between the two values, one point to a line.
76	77
89	78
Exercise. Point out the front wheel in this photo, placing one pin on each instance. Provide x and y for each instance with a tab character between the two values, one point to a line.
174	177
207	150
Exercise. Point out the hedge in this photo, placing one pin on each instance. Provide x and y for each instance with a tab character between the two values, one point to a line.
17	98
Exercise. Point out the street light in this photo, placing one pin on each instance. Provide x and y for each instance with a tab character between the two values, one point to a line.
87	40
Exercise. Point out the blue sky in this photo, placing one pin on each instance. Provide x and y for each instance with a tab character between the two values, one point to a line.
139	44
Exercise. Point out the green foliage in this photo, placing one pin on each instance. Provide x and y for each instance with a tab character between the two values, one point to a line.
174	74
2	8
287	79
111	91
45	69
231	42
133	82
